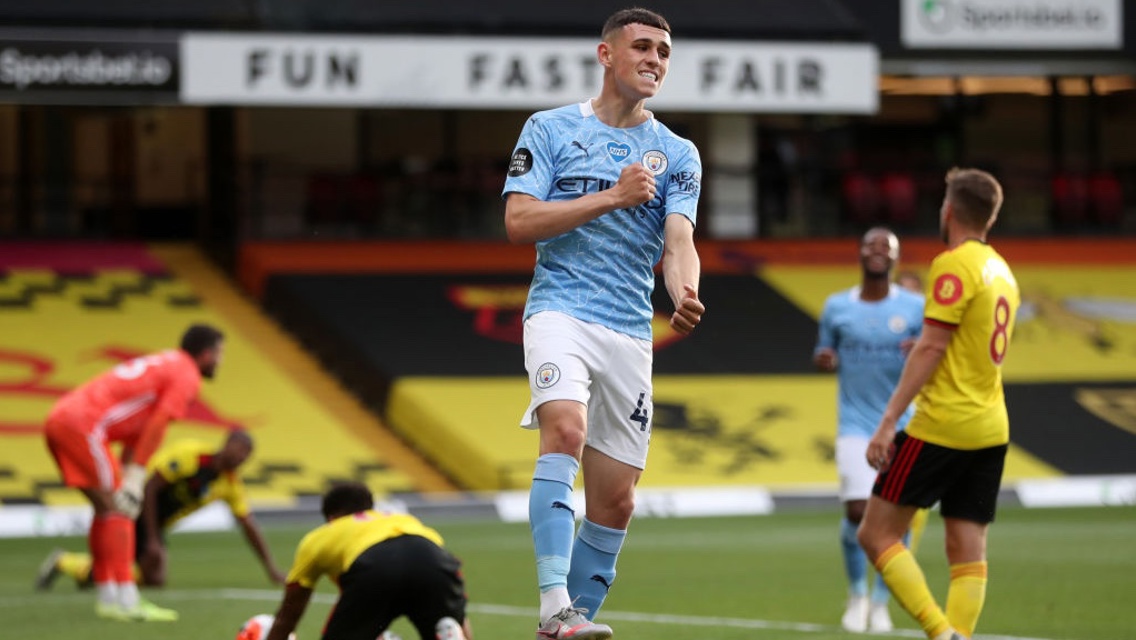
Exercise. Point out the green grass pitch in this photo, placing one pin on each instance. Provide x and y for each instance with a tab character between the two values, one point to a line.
1055	574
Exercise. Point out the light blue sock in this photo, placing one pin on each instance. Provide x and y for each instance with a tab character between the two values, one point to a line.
880	592
855	560
551	517
593	565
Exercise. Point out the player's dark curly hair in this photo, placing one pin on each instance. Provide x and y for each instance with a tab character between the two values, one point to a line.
346	498
200	337
634	15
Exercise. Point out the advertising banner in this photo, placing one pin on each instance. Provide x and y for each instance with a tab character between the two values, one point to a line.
1012	24
88	67
518	73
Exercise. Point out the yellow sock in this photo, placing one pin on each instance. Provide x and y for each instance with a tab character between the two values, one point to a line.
966	596
909	587
918	524
75	565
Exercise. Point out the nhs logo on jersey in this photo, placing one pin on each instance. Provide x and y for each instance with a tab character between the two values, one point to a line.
618	151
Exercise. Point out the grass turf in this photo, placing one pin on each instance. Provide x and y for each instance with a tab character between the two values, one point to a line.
1054	574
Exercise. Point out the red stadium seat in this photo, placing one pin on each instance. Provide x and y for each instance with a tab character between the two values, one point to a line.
1070	199
900	198
1106	199
861	198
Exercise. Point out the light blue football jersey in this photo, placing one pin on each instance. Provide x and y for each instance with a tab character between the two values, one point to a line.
602	271
866	337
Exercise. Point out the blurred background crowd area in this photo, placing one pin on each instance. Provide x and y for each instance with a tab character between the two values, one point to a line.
111	126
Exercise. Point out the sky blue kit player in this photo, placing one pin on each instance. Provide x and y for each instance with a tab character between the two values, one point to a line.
602	271
605	192
864	335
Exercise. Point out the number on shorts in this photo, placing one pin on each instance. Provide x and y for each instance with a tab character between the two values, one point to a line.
1000	339
640	414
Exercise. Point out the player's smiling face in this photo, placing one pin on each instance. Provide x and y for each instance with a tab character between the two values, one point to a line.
639	57
878	252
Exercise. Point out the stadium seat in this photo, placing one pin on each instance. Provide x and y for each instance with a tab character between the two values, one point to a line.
1070	199
900	198
861	198
325	200
1106	199
365	199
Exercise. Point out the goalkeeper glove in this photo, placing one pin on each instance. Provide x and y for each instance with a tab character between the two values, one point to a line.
128	497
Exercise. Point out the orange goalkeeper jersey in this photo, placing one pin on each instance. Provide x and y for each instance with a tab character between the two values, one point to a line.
117	403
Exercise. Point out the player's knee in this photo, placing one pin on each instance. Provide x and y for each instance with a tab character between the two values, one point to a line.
870	540
563	437
613	510
964	547
862	536
624	504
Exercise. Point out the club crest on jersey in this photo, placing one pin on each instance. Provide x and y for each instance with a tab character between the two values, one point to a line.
547	375
897	324
618	151
947	289
656	161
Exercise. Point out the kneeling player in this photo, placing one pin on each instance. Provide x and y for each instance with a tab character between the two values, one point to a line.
185	477
386	565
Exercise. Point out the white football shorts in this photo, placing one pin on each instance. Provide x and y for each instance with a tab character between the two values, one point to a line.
856	475
607	371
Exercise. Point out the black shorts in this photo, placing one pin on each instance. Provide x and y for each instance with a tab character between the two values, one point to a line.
404	576
965	483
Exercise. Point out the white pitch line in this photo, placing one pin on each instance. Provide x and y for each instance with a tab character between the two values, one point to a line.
263	595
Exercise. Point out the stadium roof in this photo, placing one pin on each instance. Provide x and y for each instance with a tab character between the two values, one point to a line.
717	19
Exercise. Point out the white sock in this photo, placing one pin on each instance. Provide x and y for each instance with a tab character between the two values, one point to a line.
107	592
128	595
552	601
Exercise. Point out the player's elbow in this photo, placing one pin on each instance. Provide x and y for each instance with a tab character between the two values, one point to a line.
515	228
519	228
516	234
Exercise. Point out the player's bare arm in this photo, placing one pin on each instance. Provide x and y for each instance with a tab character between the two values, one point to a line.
291	610
153	561
682	270
256	541
921	363
528	219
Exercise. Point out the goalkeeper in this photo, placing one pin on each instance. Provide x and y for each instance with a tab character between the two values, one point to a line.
185	477
131	404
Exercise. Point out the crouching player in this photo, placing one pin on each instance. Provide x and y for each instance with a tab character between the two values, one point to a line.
185	477
386	565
